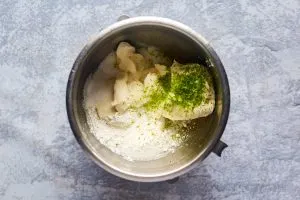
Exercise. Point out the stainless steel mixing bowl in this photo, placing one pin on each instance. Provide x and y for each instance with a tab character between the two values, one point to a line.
179	42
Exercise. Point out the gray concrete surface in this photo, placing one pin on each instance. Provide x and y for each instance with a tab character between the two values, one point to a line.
259	44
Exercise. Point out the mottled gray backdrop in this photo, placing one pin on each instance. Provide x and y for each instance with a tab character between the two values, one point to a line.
259	44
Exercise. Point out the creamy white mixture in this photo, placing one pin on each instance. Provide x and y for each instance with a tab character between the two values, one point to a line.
128	79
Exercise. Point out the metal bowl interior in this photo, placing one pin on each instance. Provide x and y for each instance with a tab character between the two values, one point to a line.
177	41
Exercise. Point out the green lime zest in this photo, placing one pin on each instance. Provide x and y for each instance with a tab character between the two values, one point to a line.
182	85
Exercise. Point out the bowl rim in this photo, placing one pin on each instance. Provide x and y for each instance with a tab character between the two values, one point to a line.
126	23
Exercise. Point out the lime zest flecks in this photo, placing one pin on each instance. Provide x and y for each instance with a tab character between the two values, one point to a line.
158	93
188	84
182	85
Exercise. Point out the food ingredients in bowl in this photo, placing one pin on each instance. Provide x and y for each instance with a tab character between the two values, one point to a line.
140	104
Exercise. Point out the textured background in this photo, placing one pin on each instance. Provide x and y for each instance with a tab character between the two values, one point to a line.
259	44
